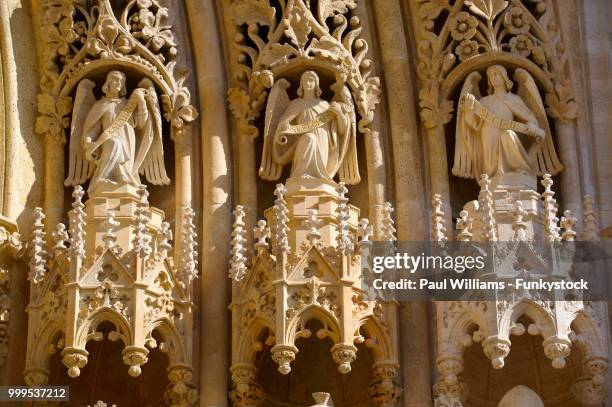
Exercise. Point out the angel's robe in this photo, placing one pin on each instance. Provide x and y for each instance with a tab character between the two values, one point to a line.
319	152
116	158
501	151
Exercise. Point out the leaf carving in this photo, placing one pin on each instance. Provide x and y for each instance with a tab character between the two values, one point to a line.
431	9
298	28
252	12
488	9
328	8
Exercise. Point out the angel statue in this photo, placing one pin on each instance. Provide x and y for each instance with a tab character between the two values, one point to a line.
103	135
317	137
503	132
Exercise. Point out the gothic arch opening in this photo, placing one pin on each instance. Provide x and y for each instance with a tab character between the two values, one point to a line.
106	378
314	370
526	365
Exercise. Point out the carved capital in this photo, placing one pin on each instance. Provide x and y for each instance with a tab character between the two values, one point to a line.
74	359
344	355
496	350
557	350
181	392
36	376
383	390
283	355
134	357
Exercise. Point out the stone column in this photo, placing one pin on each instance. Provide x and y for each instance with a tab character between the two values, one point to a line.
216	212
374	148
438	170
570	177
409	191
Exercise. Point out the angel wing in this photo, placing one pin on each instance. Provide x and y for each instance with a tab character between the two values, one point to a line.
150	157
349	168
79	168
465	162
543	155
277	104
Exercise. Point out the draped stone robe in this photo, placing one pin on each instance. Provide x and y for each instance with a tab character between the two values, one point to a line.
115	161
318	152
501	150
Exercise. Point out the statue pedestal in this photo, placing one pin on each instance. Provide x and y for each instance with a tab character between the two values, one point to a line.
508	189
305	194
122	201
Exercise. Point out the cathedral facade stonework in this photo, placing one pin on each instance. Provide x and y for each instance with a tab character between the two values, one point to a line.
192	192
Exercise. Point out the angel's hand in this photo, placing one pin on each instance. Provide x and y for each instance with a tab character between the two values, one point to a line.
536	131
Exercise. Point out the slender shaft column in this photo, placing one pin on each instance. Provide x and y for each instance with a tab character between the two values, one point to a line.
247	182
570	177
409	187
54	181
438	171
377	174
216	215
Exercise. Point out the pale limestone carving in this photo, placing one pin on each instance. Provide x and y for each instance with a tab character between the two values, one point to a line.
317	137
119	268
79	36
312	261
11	249
494	30
115	139
488	128
513	213
297	38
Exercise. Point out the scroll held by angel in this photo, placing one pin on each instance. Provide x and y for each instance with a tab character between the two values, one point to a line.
113	140
503	132
317	137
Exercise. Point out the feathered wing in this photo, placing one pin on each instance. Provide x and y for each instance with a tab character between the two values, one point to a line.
151	144
79	168
349	168
543	155
277	104
464	165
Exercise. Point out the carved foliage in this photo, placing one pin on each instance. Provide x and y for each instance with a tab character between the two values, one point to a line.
271	36
451	33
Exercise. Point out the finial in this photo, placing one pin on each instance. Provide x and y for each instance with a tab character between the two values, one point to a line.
568	223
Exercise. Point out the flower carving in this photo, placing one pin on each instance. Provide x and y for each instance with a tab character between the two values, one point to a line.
463	26
150	28
521	45
466	49
516	21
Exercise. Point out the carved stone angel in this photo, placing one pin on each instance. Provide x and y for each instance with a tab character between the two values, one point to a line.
503	132
317	137
115	139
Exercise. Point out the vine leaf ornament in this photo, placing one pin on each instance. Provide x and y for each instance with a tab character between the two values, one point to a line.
488	9
81	36
561	104
431	9
269	41
328	8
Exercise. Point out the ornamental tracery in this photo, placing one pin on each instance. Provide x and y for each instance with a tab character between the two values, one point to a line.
302	67
511	219
111	82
